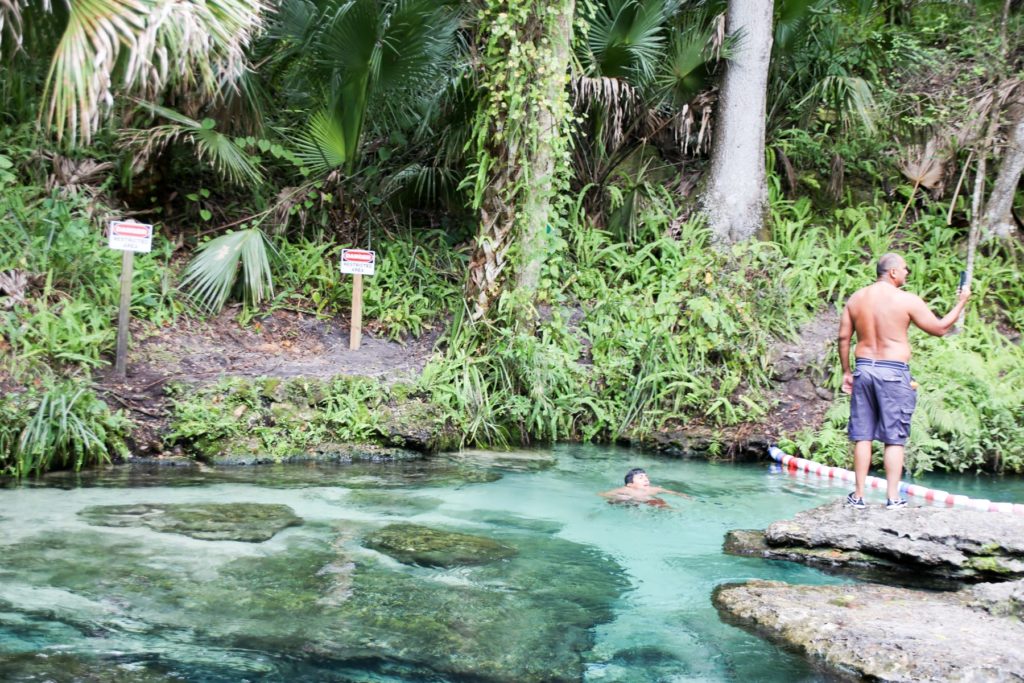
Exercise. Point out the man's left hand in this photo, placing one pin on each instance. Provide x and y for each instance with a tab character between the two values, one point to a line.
847	382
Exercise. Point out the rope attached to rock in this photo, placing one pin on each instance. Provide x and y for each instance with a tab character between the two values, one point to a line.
795	464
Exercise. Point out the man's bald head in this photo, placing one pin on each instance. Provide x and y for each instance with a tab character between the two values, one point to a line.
888	262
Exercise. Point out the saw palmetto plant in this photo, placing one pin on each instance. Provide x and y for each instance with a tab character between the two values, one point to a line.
99	50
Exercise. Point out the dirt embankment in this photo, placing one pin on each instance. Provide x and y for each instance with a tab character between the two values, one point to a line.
283	345
287	345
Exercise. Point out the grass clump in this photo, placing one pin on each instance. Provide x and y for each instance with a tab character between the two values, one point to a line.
417	282
59	425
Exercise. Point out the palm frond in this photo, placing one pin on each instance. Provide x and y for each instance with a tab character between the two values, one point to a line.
626	38
227	158
686	67
143	47
10	19
924	165
428	182
210	276
322	146
849	97
416	45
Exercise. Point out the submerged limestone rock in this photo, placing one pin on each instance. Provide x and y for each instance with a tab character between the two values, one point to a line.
528	619
247	450
249	522
59	666
392	502
881	632
415	544
315	599
922	544
526	460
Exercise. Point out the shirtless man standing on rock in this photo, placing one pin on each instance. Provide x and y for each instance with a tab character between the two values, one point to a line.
883	395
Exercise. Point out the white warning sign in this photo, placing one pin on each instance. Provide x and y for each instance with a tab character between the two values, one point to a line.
358	261
131	236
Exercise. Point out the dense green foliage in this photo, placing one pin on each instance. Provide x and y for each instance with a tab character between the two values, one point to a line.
405	126
970	411
68	310
274	418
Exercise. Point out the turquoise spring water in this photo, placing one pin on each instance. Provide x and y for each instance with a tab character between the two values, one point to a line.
594	592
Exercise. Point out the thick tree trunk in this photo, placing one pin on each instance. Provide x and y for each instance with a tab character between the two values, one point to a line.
998	222
736	194
537	206
516	207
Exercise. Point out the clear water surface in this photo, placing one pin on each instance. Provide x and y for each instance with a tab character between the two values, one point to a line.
595	592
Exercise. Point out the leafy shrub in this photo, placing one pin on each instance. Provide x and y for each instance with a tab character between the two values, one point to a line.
70	308
417	281
274	417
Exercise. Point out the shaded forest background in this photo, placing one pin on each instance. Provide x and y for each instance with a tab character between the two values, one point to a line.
607	210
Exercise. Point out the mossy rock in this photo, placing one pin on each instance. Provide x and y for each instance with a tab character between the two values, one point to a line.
416	423
415	544
248	522
61	666
393	502
250	451
987	564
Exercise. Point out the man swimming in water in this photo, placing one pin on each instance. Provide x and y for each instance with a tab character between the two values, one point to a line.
638	489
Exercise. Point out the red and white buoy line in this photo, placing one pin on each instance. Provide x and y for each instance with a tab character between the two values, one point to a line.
795	464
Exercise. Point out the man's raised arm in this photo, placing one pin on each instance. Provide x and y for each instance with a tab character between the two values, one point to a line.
932	324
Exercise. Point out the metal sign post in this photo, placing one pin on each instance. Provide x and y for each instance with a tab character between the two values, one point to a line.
128	237
357	262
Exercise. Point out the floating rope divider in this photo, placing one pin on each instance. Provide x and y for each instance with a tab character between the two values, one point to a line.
795	464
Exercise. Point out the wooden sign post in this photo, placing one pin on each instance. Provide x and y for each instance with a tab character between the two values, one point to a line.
128	237
357	262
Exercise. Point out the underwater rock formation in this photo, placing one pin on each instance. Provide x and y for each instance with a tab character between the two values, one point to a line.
249	522
415	544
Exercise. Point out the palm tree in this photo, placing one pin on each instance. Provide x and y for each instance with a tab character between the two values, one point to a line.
346	62
521	141
101	50
647	70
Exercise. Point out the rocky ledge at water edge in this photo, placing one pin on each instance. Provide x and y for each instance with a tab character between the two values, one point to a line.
885	632
929	546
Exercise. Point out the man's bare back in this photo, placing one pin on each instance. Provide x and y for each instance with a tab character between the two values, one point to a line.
880	314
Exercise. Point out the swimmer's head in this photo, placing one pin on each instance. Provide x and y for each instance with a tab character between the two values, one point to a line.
633	472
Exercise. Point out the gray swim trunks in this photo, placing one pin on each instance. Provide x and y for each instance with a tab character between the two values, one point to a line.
883	402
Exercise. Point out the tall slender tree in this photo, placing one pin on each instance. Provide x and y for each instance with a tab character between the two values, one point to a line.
735	197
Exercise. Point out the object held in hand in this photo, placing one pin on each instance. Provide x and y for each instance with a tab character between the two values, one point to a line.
963	281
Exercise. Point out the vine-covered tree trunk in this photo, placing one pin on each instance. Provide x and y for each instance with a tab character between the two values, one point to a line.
736	194
522	137
998	222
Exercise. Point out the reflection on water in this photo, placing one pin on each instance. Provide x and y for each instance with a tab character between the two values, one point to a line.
173	584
